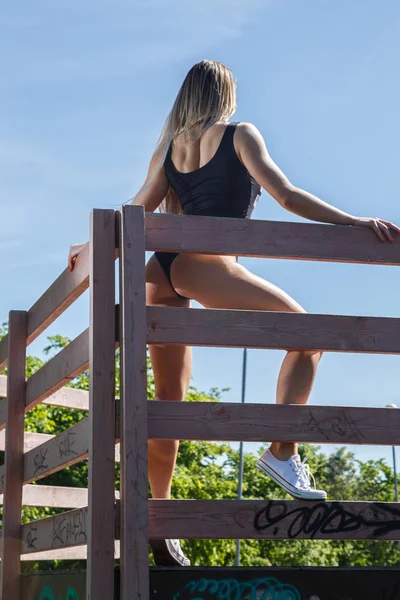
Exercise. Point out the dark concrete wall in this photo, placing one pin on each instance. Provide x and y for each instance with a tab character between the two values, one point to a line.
236	584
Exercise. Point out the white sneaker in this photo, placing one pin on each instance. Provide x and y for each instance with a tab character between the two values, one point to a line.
168	553
291	475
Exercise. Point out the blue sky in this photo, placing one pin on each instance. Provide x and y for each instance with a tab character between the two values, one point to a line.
85	89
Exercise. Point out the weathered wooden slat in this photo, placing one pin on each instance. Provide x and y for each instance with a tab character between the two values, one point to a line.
133	431
63	367
223	421
262	329
269	239
54	496
63	450
100	565
32	440
14	457
60	531
3	386
67	397
55	300
273	519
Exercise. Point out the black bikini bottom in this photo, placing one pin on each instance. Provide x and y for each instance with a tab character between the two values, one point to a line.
166	259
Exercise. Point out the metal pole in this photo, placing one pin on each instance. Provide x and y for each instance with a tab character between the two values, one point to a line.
396	487
240	483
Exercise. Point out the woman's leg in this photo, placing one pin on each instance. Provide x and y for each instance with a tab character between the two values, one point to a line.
220	282
172	369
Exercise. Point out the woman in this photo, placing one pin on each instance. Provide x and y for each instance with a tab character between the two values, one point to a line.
204	165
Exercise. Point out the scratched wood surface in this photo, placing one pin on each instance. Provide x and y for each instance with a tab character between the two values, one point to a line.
64	366
53	496
66	396
13	458
55	300
262	329
100	565
271	239
133	405
63	450
32	440
223	421
274	519
67	529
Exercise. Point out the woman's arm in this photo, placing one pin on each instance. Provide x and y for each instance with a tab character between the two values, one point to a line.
254	155
155	187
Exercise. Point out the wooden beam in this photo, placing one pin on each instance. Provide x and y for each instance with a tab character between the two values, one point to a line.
133	430
273	519
100	536
65	449
269	239
273	330
55	300
67	397
70	362
59	531
225	421
54	496
14	457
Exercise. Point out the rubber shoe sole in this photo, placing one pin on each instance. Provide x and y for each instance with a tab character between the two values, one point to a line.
290	489
165	555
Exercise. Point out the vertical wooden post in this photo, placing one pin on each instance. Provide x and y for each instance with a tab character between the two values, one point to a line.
101	530
133	431
14	457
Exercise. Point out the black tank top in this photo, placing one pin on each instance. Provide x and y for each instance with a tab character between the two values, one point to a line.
223	187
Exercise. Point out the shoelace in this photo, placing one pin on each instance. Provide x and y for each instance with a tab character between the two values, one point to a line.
304	473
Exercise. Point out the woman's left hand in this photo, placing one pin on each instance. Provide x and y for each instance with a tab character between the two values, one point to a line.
381	227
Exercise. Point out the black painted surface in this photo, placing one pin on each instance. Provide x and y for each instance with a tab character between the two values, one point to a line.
235	584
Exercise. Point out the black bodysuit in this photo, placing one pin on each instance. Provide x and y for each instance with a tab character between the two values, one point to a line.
223	187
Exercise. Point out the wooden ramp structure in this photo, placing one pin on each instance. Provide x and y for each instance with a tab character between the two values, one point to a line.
99	523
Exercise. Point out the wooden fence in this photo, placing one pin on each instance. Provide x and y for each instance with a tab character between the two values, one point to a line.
99	517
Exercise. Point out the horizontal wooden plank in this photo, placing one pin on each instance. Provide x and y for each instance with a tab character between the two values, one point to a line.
273	330
223	421
72	553
54	496
66	397
3	386
269	239
39	450
63	367
273	519
60	531
55	300
67	448
32	440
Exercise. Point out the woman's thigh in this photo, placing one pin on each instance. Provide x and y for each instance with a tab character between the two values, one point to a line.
220	282
172	364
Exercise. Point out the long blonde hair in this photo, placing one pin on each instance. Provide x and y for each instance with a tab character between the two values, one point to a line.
207	95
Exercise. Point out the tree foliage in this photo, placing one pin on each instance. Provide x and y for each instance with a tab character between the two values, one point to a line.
207	470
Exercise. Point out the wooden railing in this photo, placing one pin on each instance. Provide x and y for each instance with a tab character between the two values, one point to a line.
98	518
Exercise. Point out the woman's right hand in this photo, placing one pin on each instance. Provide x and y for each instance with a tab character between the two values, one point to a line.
379	226
74	251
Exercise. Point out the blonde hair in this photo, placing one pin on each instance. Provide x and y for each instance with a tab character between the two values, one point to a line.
207	95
